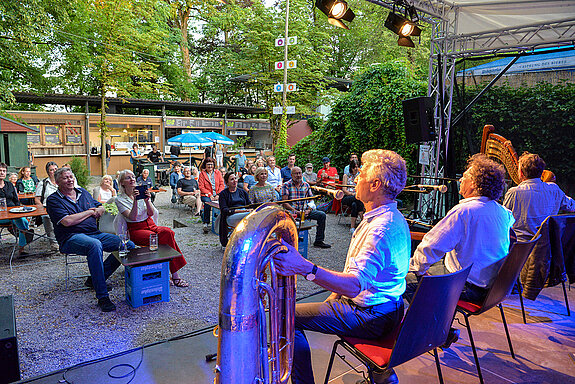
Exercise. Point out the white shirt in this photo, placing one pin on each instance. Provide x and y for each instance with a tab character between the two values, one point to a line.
474	231
50	189
274	176
125	203
378	255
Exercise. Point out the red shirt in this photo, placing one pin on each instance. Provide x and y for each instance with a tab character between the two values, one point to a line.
323	174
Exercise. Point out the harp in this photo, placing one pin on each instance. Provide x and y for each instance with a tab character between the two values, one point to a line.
498	148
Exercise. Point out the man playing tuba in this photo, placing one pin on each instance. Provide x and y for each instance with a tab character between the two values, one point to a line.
366	297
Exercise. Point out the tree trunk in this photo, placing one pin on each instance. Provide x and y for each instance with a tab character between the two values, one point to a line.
183	17
103	129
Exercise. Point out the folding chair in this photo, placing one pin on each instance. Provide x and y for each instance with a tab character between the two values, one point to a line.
71	259
434	305
500	289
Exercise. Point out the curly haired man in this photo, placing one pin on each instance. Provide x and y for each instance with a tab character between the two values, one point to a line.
477	230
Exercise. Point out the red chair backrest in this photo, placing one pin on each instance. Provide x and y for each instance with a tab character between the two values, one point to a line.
428	319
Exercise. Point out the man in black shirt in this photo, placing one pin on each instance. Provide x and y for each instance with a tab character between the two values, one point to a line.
155	156
189	191
175	151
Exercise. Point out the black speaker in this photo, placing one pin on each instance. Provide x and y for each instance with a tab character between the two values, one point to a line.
418	120
9	363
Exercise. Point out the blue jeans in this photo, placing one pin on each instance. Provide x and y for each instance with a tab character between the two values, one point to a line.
93	247
318	216
339	317
20	223
207	210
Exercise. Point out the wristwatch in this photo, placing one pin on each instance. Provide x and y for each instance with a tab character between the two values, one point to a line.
311	276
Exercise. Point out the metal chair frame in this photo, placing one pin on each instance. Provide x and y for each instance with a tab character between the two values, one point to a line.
433	304
68	260
498	292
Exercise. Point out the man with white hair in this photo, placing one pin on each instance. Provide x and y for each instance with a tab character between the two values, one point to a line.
74	213
366	297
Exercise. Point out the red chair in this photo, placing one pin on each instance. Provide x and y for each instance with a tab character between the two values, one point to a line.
434	305
500	289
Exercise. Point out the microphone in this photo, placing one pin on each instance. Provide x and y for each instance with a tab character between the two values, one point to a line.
440	188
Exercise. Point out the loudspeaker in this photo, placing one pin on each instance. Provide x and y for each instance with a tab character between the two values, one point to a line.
418	120
9	362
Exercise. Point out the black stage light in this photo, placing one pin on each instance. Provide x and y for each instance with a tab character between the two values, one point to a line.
336	10
403	27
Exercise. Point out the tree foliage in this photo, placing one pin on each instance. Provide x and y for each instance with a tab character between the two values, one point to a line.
369	116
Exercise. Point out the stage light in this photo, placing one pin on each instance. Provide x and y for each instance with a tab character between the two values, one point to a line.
403	27
336	10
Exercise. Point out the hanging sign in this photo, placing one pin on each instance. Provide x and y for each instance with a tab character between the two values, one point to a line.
291	87
290	110
424	154
292	40
290	64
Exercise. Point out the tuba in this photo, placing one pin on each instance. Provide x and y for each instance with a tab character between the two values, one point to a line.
244	353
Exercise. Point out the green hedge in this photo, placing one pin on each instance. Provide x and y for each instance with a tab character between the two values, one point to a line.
539	119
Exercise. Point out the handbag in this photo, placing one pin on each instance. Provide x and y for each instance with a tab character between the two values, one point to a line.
106	223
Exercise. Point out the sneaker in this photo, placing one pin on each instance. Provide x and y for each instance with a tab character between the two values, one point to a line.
321	244
452	337
88	283
174	199
106	304
386	377
206	228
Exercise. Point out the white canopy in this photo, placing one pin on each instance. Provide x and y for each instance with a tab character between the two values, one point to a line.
481	26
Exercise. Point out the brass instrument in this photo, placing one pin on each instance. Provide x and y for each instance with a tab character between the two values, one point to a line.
335	193
243	336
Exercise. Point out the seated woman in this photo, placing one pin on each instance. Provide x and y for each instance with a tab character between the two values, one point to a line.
13	177
230	197
139	215
249	178
105	191
145	179
26	183
8	192
357	208
262	192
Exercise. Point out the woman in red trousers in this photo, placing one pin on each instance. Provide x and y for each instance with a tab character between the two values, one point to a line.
139	215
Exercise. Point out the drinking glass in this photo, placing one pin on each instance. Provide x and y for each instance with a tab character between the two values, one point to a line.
124	238
2	204
153	241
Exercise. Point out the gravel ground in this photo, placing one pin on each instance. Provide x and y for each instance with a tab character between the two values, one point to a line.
59	328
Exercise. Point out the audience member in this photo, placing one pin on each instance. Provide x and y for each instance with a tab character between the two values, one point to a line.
175	176
240	160
26	184
296	188
249	178
476	231
13	178
286	171
352	157
211	185
327	175
533	199
262	192
274	174
8	192
145	179
175	151
154	155
108	153
231	197
260	162
189	191
195	173
219	155
309	176
135	155
105	191
74	214
350	199
44	189
366	297
141	218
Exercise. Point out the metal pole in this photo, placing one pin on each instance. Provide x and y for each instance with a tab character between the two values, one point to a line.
87	132
284	98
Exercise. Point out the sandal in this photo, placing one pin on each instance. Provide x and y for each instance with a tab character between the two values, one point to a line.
180	283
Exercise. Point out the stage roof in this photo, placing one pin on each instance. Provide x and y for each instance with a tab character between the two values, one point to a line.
484	26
